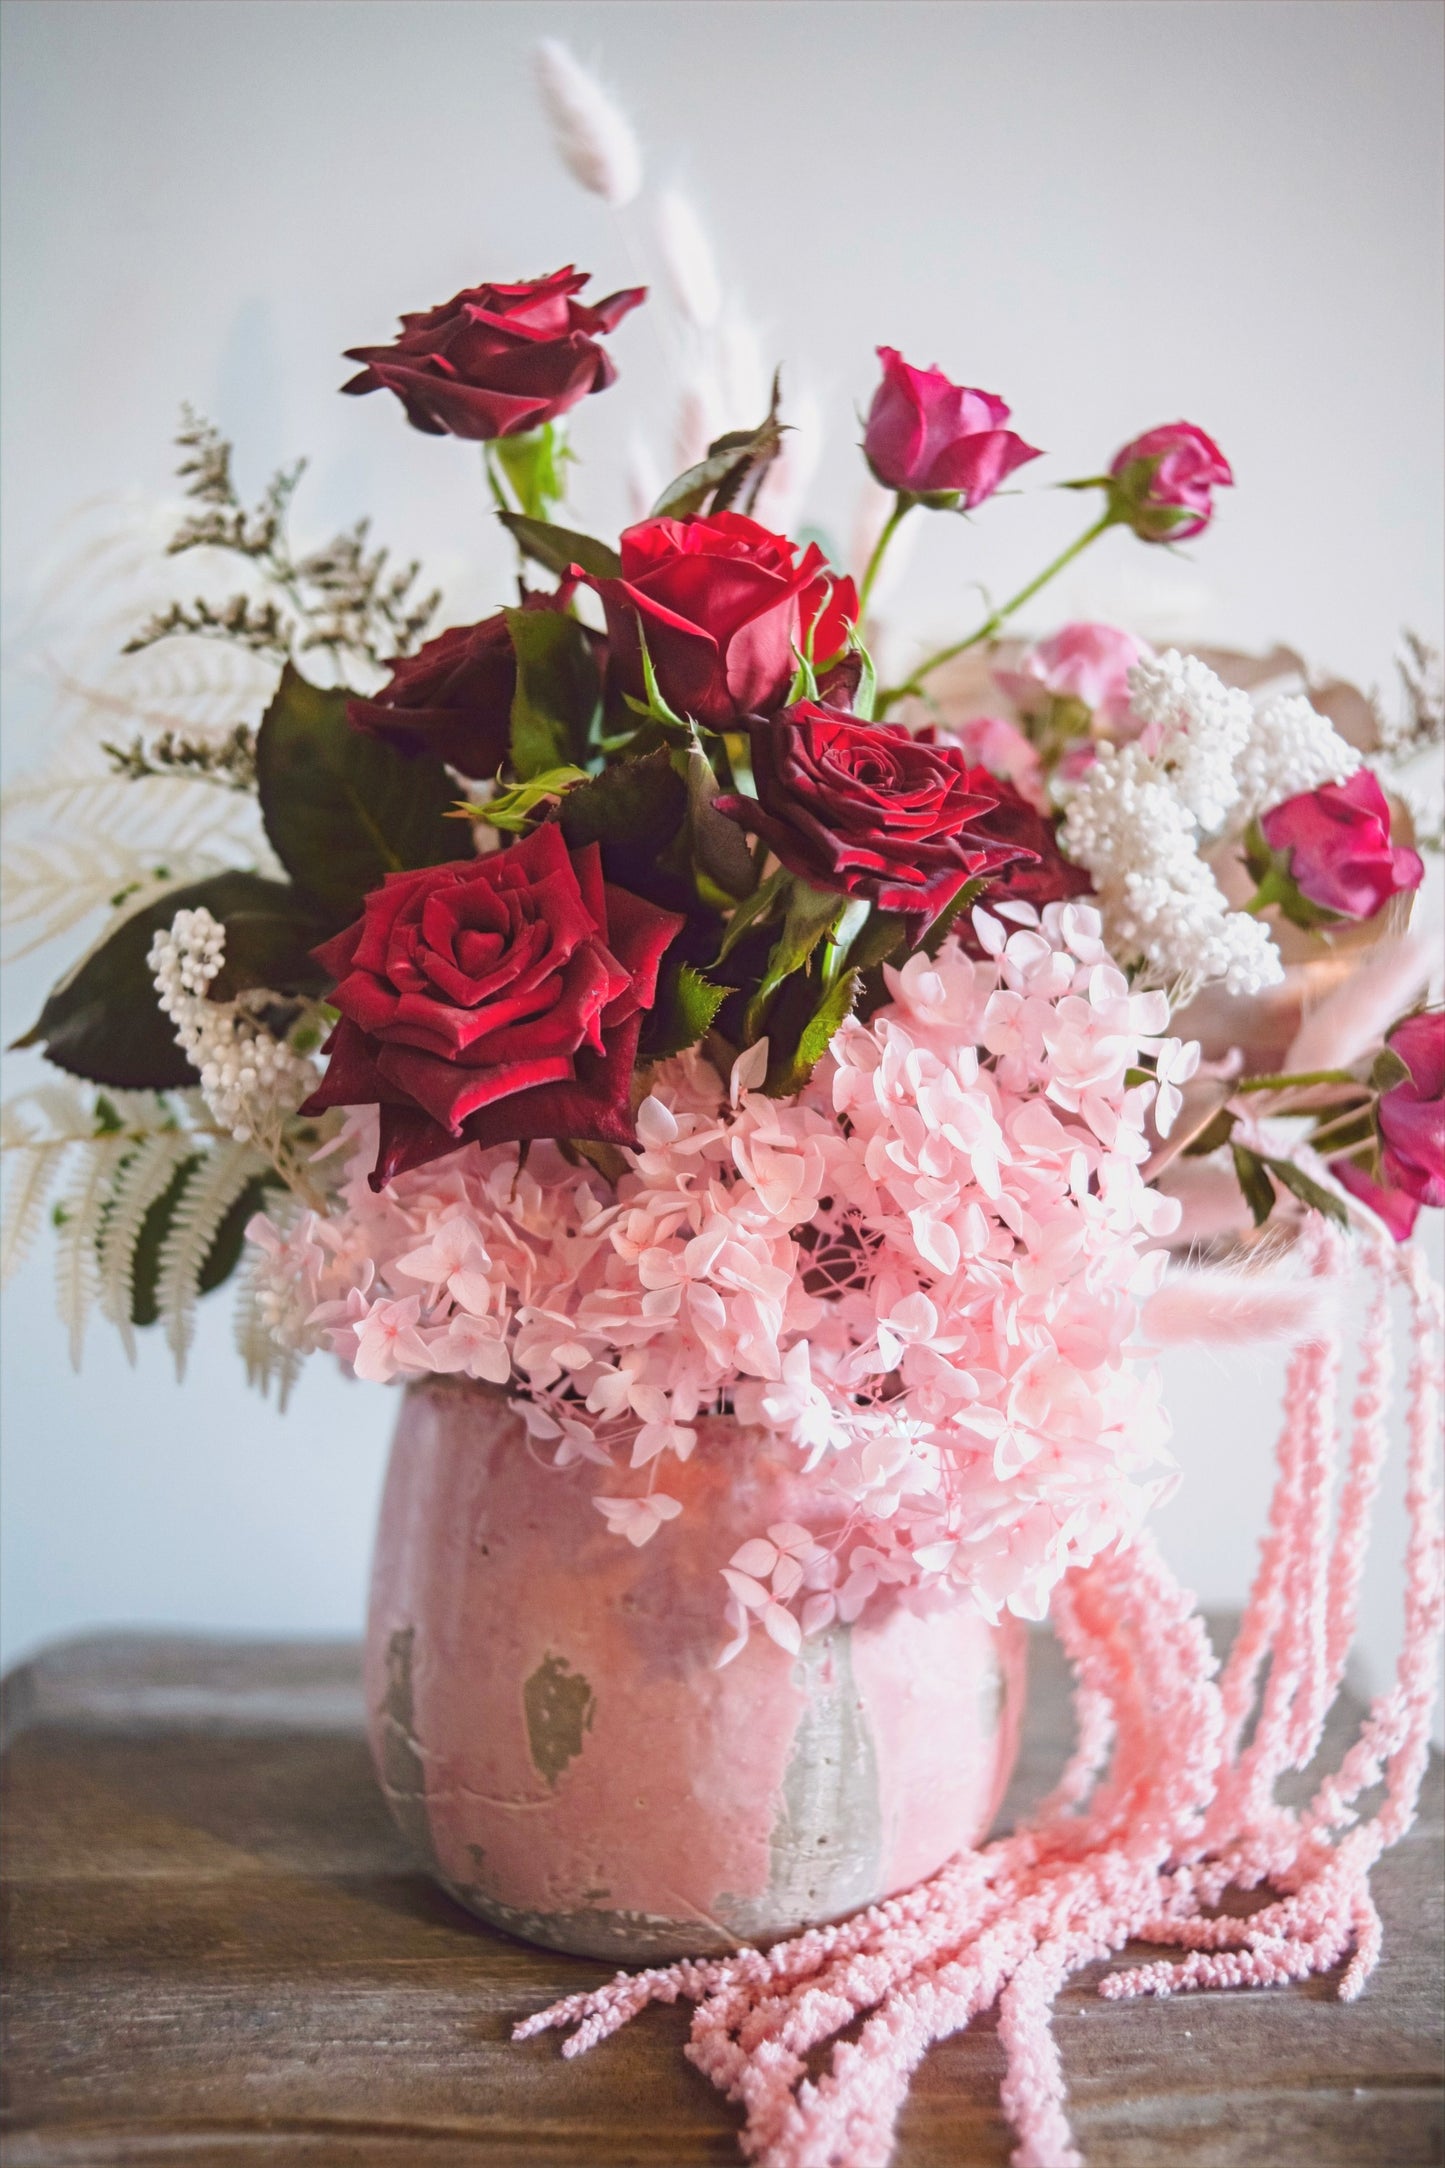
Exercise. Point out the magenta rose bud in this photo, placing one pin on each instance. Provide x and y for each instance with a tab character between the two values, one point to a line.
490	1000
866	810
1340	857
722	604
1410	1117
497	360
1164	482
926	437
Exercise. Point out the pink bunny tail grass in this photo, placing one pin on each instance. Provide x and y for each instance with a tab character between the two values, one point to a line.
1222	1308
1161	1809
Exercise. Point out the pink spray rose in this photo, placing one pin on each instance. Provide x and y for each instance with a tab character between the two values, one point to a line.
1341	858
1164	482
1411	1119
1083	662
926	436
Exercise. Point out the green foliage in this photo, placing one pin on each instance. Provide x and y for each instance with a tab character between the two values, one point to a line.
685	1012
719	847
515	811
558	701
532	462
809	914
937	931
557	549
103	1022
740	460
343	598
342	810
1258	1174
634	810
1216	1132
789	1072
1254	1181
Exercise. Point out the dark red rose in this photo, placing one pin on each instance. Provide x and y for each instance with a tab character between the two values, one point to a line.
867	810
1341	857
496	360
1164	482
453	698
492	999
925	435
720	602
1042	874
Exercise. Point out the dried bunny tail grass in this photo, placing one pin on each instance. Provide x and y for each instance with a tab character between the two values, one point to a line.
1221	1307
1182	1812
594	139
688	260
1358	1013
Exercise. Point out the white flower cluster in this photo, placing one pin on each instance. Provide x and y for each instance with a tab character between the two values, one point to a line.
250	1080
1203	766
1291	749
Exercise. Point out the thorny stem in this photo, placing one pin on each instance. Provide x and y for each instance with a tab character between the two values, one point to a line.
991	624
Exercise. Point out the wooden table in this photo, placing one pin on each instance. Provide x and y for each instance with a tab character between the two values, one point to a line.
219	1954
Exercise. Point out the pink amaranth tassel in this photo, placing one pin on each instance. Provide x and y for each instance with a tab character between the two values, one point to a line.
1137	1844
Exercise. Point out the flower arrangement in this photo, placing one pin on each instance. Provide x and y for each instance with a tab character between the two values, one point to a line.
630	1003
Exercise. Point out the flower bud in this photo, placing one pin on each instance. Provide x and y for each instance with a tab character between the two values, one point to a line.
1162	483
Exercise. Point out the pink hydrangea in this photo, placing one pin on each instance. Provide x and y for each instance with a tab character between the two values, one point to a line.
922	1277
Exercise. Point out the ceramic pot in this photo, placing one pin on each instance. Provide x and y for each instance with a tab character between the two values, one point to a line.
553	1733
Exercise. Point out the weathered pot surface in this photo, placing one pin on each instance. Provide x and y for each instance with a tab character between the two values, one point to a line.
552	1732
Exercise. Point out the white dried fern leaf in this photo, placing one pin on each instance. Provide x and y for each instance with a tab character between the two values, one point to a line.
140	1181
80	1219
49	888
39	1148
195	1223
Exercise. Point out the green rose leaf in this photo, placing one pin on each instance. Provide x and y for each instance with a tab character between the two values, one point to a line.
342	809
684	1013
104	1023
558	700
557	549
792	1072
633	809
1308	1191
731	461
1259	1191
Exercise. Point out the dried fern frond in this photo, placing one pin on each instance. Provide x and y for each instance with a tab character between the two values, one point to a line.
38	1130
50	888
141	1181
220	1179
78	1220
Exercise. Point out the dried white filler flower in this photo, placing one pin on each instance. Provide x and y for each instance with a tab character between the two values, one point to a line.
593	137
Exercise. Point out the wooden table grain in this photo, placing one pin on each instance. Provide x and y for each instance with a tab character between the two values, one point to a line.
218	1955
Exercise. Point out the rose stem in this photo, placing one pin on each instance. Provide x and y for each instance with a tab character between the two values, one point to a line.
991	624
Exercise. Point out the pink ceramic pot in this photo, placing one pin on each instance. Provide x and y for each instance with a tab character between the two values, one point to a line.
551	1730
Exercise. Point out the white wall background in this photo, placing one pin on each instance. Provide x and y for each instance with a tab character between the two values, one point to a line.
1112	213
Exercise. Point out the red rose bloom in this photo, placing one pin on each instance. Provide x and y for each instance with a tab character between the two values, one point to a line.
453	697
867	810
1341	856
925	434
492	999
721	603
1164	482
496	360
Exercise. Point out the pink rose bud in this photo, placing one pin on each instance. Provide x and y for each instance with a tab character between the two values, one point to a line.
1164	482
928	438
1082	662
1340	859
1410	1117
